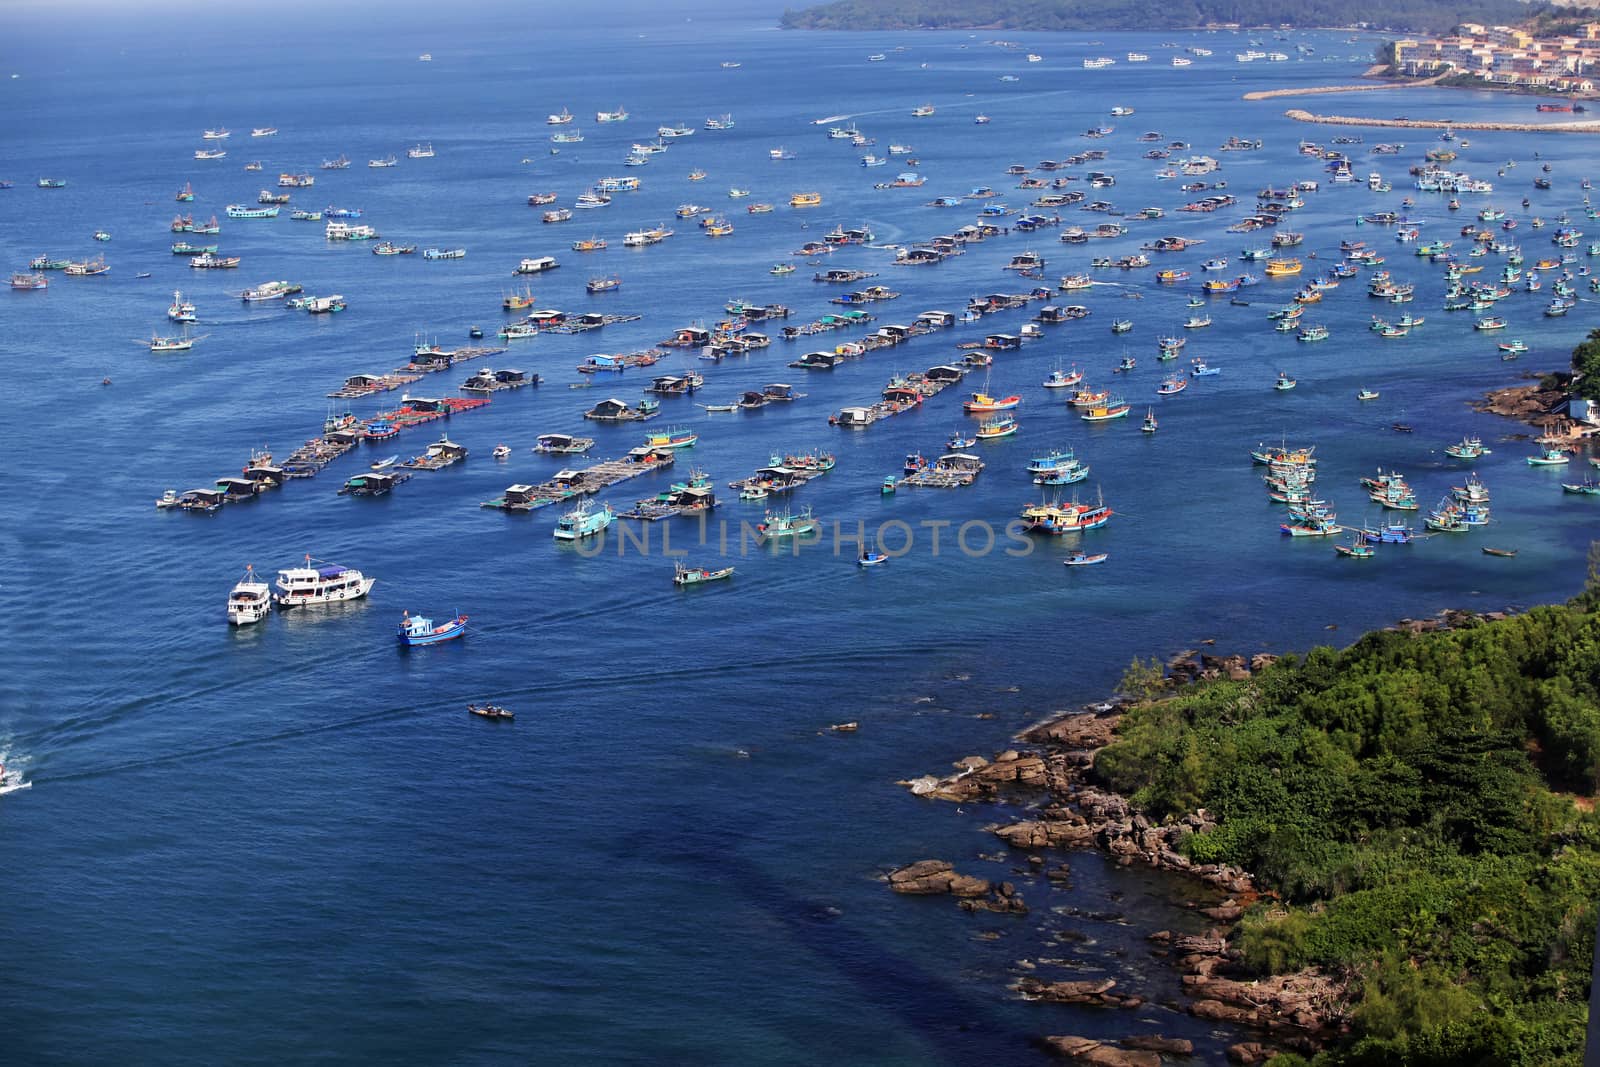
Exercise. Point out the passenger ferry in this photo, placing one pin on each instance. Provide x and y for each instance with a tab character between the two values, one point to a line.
321	584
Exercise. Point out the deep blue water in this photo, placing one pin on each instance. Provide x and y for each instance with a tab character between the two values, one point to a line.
291	842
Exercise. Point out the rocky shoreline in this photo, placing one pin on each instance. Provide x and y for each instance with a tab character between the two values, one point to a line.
1531	403
1301	1011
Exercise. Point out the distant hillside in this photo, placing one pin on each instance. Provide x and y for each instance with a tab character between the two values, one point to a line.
1410	15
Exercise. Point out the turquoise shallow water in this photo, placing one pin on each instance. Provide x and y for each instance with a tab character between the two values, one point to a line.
291	842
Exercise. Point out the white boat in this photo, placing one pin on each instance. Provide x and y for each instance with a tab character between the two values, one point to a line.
325	583
421	151
263	131
561	119
250	599
220	134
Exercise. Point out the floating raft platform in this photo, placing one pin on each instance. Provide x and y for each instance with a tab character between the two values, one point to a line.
359	385
569	484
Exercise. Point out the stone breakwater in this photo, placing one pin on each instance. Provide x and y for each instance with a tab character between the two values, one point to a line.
1586	126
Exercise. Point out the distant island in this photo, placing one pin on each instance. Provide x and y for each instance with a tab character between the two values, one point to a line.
1420	16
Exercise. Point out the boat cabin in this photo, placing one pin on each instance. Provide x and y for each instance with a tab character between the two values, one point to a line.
937	320
202	500
856	417
520	498
537	265
918	256
752	399
671	385
780	391
431	360
818	361
1002	341
265	475
690	337
943	375
376	484
562	442
612	410
895	332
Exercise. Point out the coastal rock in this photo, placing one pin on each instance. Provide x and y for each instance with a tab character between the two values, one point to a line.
1226	913
1085	992
1100	1053
972	763
923	877
1250	1052
1170	1046
966	885
1087	730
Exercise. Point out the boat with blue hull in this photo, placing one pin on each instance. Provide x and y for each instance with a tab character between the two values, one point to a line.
416	630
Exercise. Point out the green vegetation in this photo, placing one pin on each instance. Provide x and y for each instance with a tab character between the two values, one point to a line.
1422	807
1586	364
1409	15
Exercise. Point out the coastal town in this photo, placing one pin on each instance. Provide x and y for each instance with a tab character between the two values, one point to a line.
1506	56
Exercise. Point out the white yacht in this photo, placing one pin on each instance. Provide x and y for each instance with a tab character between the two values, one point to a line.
250	599
320	584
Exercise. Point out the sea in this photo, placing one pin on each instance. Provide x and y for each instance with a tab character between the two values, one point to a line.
290	842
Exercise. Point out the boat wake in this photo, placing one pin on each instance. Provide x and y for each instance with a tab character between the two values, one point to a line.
11	772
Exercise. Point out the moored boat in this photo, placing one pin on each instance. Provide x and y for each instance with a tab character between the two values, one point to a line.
324	583
249	600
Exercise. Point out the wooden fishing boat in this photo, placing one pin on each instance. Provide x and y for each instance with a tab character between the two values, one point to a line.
683	576
415	630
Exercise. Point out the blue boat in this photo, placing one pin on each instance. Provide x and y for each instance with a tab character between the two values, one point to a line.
415	630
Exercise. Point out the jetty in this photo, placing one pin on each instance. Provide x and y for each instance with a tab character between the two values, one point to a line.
1583	126
568	484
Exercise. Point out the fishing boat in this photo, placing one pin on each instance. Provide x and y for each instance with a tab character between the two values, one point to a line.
1502	552
983	403
1284	381
1549	457
1587	487
1199	368
1493	322
263	131
782	268
1085	559
1172	386
491	711
1469	447
249	600
997	427
22	280
1313	333
583	521
805	200
386	161
785	524
958	441
672	438
1282	268
1105	411
871	559
172	344
682	575
241	211
420	151
1149	424
415	630
889	485
1060	379
1358	548
325	583
389	248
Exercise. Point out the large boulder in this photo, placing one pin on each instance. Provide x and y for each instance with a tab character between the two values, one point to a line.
1099	1053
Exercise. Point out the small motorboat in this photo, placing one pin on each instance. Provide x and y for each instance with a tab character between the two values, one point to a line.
889	485
1506	553
1084	559
872	559
491	711
501	451
1367	394
959	441
386	462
